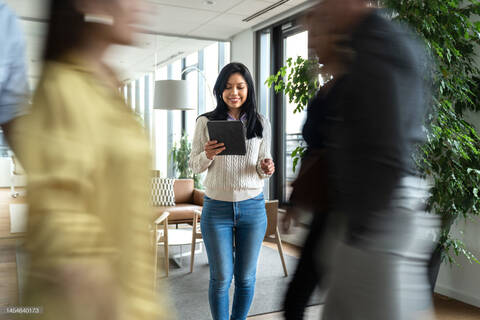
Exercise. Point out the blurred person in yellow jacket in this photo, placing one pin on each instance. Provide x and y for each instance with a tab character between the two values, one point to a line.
88	165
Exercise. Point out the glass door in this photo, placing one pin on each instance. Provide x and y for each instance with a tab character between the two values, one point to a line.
275	45
294	45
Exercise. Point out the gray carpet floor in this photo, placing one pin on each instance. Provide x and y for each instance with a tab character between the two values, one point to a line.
189	291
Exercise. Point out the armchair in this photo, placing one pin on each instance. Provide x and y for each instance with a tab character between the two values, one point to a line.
187	200
187	209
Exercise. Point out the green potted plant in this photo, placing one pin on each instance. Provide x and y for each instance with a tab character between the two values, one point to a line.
451	155
180	154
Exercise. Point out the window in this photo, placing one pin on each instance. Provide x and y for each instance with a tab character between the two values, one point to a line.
211	73
275	45
125	93
3	145
192	60
264	92
201	70
175	117
295	45
159	129
191	116
191	75
140	94
132	95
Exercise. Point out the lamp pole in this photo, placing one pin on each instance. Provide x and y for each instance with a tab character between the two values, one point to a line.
194	68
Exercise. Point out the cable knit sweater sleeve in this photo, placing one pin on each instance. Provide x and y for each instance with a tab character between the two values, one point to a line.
264	152
198	159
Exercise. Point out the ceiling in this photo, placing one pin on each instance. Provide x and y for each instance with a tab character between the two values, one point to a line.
171	28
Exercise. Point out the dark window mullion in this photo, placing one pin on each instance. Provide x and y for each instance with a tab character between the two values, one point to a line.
278	117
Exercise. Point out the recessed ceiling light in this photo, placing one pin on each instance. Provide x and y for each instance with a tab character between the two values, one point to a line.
209	2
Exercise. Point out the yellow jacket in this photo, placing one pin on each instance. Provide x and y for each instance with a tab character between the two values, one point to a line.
88	166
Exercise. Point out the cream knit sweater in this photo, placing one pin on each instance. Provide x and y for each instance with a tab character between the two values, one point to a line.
231	178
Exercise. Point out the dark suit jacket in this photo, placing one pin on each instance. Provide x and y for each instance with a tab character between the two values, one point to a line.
378	118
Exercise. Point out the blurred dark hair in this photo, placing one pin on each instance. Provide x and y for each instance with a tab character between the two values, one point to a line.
249	108
65	29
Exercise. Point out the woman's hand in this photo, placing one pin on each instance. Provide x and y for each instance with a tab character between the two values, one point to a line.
213	148
268	167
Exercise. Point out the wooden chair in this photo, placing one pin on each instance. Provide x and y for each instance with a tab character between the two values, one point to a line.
161	237
271	235
187	210
196	234
161	224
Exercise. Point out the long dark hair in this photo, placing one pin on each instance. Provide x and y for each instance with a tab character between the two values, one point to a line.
249	108
65	30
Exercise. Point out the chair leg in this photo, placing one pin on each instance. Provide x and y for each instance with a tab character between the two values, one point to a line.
194	241
165	245
280	251
155	257
13	194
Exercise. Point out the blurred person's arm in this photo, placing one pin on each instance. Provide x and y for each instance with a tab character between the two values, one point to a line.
198	158
291	216
13	73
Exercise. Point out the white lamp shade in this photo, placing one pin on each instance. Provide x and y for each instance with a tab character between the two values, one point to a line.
173	95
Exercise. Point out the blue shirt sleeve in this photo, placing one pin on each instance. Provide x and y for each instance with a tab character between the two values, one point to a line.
13	72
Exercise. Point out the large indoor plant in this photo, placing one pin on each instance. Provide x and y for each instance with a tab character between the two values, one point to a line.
451	155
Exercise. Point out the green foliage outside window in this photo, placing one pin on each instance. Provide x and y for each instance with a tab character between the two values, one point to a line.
298	79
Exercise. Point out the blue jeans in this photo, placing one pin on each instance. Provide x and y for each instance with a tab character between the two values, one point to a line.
222	223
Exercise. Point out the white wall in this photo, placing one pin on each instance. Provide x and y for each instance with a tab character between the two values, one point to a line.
462	282
243	49
243	44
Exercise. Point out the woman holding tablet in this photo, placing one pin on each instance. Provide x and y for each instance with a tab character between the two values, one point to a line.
234	219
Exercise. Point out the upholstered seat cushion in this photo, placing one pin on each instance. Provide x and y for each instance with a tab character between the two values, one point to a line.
180	212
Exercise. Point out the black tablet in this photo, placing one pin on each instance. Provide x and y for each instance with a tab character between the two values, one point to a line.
231	133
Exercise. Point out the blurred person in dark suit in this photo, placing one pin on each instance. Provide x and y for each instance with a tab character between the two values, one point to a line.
377	230
88	163
311	188
13	71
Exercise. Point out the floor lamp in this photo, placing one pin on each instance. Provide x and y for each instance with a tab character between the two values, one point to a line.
177	94
173	95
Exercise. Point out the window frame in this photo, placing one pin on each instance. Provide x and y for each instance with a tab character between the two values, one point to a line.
279	31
